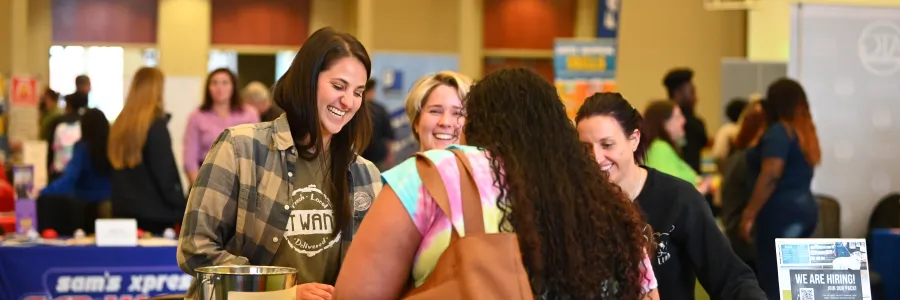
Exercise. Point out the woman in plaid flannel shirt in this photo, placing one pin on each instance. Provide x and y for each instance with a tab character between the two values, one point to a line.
290	192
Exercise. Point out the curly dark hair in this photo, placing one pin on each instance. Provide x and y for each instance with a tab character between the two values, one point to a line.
580	236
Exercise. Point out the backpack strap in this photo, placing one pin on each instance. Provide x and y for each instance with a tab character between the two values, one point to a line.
473	214
473	217
434	184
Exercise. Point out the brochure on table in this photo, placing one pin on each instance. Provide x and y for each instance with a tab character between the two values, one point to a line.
814	269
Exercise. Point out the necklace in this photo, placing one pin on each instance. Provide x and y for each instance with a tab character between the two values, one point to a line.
637	189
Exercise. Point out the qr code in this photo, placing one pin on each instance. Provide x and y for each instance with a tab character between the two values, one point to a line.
807	294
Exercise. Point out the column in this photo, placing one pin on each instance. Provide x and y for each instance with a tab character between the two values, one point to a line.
183	37
586	18
365	24
471	38
325	13
769	31
40	38
13	37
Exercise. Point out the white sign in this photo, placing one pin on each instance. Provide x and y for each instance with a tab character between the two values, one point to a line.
116	232
810	269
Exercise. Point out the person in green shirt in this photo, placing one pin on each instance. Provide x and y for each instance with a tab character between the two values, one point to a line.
664	127
49	111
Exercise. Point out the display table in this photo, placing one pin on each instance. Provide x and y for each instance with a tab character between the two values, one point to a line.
89	272
885	246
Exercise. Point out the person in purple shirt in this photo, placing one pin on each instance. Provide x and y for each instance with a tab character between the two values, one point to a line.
222	108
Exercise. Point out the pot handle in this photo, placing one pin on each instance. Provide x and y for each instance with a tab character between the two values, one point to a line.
212	285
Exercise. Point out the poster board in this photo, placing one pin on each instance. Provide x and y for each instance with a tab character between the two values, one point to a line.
823	269
848	60
23	109
582	67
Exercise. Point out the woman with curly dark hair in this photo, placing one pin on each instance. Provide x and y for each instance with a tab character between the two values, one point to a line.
690	245
580	237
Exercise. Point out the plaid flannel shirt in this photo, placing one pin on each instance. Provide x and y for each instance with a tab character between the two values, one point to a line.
238	208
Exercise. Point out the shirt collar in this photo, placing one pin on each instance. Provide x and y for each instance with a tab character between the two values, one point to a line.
282	138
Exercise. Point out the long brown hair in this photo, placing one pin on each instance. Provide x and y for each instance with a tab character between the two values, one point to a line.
751	124
580	236
655	117
786	103
235	101
144	104
297	94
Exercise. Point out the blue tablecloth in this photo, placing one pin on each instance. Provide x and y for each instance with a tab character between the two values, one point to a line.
87	272
885	261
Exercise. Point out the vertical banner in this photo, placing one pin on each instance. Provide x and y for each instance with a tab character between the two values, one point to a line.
26	204
823	269
608	18
23	110
582	68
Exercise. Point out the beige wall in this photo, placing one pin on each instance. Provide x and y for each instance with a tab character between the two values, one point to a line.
40	37
416	26
5	36
769	26
25	35
332	13
656	36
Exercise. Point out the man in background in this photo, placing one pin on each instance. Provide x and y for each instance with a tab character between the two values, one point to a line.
83	84
49	110
680	86
379	150
257	94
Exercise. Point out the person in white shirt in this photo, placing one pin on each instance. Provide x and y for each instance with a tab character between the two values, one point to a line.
722	143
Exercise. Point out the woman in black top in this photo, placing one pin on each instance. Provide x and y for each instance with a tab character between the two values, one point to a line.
145	182
689	243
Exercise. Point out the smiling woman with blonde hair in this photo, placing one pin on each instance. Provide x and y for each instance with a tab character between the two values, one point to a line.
145	182
434	107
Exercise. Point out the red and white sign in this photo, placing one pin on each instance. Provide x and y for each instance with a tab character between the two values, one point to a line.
24	91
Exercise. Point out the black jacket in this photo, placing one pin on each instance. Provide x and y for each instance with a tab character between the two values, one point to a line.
151	190
690	245
695	139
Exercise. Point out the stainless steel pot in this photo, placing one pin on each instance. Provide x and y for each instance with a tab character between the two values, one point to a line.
216	282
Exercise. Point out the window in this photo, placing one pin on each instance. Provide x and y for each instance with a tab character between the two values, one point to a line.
110	69
283	61
104	65
223	59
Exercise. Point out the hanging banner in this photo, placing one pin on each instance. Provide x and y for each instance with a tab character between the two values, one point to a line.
608	18
582	68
